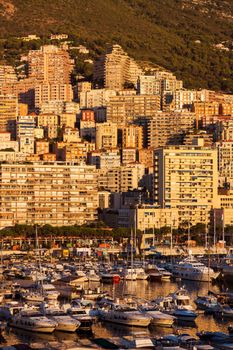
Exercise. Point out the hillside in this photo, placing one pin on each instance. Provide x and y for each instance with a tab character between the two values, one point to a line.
179	35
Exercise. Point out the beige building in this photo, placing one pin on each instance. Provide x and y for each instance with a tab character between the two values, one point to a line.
115	68
67	119
106	136
46	92
95	98
224	130
166	128
41	147
8	112
50	64
148	85
122	109
25	133
186	178
128	155
225	163
106	159
121	179
132	136
50	123
56	194
7	75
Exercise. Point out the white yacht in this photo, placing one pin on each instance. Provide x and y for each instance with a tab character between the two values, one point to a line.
50	291
32	297
10	309
64	322
80	314
124	314
92	276
32	320
141	274
158	318
181	299
191	269
129	274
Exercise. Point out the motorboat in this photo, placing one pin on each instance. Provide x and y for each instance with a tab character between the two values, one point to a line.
141	274
35	297
224	311
158	318
64	322
153	273
191	269
129	274
50	292
207	303
108	277
10	309
124	314
32	320
80	314
93	277
166	304
181	299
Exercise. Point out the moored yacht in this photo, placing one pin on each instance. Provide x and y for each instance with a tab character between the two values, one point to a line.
191	269
79	313
34	321
181	299
64	322
124	314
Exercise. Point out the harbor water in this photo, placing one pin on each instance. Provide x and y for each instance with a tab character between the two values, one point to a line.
142	289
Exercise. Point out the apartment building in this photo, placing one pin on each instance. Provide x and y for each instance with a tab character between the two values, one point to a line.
186	178
224	129
106	136
115	68
128	155
7	75
166	128
46	92
107	159
25	126
47	193
131	136
95	98
8	112
121	179
50	123
148	85
225	163
122	109
50	64
205	111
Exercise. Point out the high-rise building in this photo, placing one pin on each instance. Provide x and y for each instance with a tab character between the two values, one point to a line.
125	108
25	133
186	178
121	179
225	163
46	92
50	64
106	136
166	128
132	136
95	98
8	112
115	68
7	75
148	85
47	193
